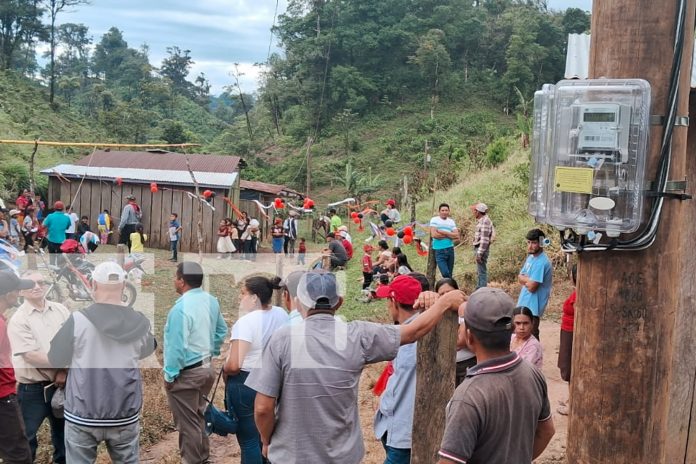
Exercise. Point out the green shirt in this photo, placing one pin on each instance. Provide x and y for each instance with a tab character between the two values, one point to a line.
335	223
57	223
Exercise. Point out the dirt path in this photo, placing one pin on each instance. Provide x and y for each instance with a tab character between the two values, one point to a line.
225	449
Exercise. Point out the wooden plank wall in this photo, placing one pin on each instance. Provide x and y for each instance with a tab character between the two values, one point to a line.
93	197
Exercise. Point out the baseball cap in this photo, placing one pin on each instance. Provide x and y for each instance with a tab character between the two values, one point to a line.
130	197
391	202
489	310
59	205
404	289
292	281
9	282
108	272
14	211
318	290
480	207
342	228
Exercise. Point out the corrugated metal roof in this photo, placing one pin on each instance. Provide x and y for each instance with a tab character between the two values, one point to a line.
578	58
161	176
161	160
264	187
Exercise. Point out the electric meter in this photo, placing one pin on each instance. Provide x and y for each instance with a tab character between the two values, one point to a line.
541	142
597	148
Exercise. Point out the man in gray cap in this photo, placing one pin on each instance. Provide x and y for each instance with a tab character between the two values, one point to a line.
14	447
316	364
500	414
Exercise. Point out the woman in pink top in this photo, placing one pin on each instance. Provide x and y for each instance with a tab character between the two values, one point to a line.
522	341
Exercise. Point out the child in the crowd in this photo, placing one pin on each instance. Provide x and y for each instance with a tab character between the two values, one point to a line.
403	266
174	231
224	245
234	235
104	226
367	266
15	230
138	239
83	227
301	252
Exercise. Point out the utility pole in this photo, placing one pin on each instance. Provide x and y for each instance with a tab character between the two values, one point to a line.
634	359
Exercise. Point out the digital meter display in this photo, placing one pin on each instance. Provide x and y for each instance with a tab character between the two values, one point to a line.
599	117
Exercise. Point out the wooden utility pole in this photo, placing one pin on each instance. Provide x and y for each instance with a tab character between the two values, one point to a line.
634	362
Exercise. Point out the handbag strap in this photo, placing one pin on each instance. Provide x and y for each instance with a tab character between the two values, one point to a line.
217	382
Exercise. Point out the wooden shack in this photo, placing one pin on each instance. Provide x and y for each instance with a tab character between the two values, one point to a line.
265	193
103	179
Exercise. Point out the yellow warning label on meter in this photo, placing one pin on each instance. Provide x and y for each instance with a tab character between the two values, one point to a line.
573	180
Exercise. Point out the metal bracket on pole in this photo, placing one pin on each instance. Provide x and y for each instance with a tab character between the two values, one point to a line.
674	189
659	120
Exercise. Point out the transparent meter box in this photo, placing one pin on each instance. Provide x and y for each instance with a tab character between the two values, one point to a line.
598	155
542	135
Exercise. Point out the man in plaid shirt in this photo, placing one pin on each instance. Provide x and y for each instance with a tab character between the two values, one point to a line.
482	241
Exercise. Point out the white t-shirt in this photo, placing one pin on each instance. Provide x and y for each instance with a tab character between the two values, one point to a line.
73	220
256	328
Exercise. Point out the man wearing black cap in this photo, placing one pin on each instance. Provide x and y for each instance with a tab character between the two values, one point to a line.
317	364
500	414
14	447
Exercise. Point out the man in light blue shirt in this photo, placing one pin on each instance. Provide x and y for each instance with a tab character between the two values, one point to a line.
536	278
394	418
194	332
444	231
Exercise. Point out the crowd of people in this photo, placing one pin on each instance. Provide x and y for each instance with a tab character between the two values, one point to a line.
292	371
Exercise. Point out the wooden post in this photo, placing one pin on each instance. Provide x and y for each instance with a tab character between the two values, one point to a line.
634	362
435	379
279	257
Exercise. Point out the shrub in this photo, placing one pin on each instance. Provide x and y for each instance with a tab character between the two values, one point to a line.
497	152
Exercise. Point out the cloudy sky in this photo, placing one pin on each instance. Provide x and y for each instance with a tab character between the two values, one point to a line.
219	33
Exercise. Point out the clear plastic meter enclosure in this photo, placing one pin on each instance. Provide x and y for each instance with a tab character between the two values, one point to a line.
591	155
541	143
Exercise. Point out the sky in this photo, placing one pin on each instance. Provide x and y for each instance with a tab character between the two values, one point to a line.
219	33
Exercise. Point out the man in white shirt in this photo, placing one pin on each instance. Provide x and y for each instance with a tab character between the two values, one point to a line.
71	232
290	234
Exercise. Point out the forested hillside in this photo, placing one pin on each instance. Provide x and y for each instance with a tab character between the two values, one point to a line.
361	92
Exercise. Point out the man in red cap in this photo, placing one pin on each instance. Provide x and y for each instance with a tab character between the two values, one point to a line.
57	223
394	418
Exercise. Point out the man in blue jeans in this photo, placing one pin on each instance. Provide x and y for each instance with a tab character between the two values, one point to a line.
31	330
482	242
443	231
394	418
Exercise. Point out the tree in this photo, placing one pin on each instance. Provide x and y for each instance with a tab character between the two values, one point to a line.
20	23
434	63
54	7
575	21
75	41
176	68
236	75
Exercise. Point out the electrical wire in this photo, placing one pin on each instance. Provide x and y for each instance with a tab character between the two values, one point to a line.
648	236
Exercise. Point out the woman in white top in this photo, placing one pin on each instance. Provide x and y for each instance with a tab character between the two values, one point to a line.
258	320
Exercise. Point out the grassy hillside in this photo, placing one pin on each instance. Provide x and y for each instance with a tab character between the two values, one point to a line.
26	115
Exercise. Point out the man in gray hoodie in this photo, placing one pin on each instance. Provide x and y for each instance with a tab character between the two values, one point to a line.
102	345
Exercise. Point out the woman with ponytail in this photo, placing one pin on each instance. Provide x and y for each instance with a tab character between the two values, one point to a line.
258	320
